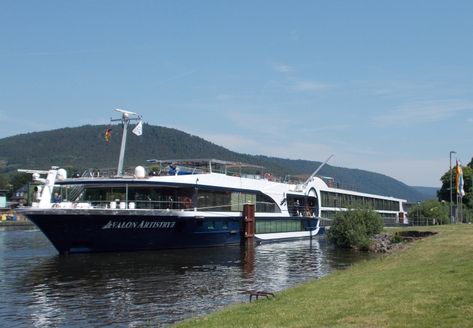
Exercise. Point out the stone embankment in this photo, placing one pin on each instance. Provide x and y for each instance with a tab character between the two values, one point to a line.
386	243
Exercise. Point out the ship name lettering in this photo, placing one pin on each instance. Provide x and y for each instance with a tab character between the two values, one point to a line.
139	225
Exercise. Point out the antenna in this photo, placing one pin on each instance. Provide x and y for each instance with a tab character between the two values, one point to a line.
125	112
125	119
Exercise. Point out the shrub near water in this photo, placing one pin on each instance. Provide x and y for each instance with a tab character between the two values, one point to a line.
353	228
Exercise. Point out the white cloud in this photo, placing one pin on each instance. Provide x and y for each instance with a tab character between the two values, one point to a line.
260	123
308	85
296	83
426	111
394	87
283	68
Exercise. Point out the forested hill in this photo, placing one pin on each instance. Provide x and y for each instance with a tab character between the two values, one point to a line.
85	147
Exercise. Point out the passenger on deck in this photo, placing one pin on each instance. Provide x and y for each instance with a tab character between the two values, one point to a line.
57	198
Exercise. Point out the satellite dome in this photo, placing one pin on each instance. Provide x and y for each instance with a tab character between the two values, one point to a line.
140	172
61	174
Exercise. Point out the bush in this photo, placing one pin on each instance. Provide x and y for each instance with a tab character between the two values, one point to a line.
353	228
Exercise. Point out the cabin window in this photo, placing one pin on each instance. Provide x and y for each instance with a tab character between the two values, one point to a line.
214	201
99	196
278	225
211	225
239	199
328	214
266	204
162	198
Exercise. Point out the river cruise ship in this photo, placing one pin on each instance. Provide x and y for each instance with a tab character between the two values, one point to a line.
190	203
183	204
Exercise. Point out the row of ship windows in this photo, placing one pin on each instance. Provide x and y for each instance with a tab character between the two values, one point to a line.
262	226
272	226
180	198
331	199
331	215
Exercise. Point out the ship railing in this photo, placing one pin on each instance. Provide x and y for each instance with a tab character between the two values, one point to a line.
178	170
176	205
142	204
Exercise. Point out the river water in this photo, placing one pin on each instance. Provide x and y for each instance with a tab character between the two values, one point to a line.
40	288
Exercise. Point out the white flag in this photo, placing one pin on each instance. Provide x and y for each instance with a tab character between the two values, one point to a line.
138	130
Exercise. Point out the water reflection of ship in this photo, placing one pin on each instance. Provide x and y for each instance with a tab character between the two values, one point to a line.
94	272
161	284
130	265
136	289
99	272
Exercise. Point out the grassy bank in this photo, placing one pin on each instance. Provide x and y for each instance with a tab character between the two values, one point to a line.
427	284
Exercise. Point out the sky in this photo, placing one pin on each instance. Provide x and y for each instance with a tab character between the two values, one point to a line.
386	86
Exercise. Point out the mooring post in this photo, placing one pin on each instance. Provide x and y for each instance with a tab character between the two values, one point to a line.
249	222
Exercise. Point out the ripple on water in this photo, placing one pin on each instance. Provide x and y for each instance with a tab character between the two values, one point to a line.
42	289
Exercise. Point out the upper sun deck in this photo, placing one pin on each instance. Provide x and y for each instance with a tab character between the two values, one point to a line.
172	168
202	166
177	167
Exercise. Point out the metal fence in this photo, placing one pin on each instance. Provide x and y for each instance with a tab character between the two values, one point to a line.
394	222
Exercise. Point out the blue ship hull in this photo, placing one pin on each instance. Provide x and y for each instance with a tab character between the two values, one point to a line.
98	233
85	231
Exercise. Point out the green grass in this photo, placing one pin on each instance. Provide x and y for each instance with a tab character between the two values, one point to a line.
427	284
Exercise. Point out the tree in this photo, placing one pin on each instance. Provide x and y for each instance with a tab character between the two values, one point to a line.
428	212
18	180
4	182
444	192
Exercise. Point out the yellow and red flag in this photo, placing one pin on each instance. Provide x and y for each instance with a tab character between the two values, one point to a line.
459	179
108	135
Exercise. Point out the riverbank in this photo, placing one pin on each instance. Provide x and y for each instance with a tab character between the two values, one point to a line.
428	283
23	223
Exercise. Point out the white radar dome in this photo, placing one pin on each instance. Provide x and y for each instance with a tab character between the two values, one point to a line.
61	174
140	172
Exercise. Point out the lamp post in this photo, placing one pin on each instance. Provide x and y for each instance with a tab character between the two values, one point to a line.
418	214
451	186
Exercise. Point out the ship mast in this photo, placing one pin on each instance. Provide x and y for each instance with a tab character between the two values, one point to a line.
125	120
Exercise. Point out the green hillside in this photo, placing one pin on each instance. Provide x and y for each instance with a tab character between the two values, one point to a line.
84	147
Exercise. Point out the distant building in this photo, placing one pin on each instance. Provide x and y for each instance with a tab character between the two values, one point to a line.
20	197
3	199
